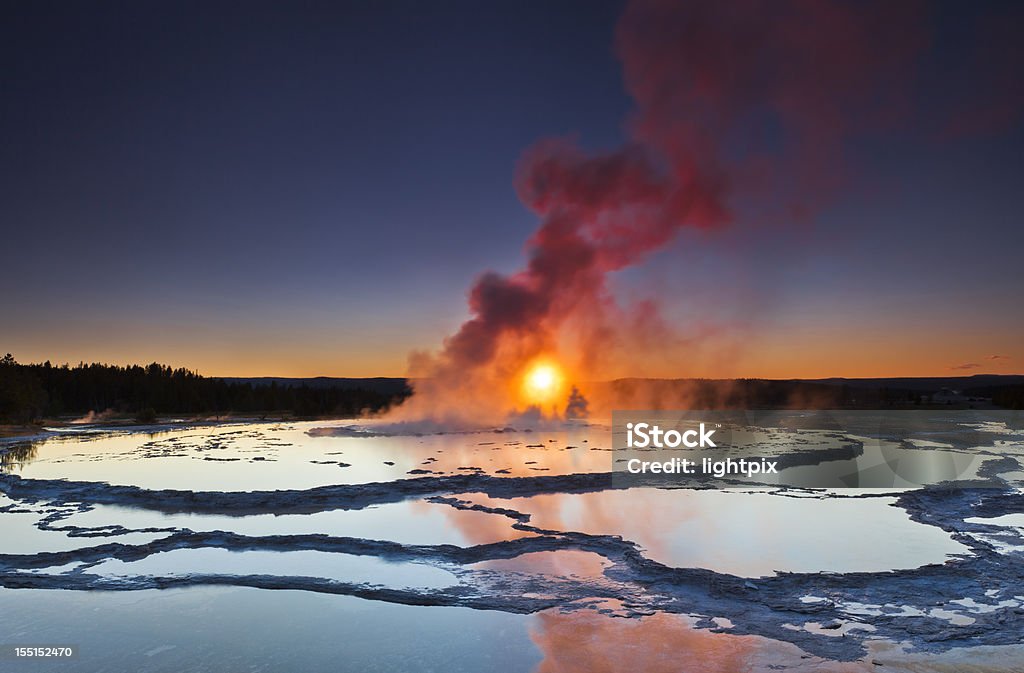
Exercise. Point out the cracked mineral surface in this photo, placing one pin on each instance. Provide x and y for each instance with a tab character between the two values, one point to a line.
515	546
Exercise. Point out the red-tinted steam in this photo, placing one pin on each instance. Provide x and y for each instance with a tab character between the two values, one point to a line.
738	104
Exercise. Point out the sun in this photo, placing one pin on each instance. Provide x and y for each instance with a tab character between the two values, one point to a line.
542	378
542	382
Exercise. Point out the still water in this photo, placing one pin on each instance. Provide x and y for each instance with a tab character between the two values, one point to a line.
305	546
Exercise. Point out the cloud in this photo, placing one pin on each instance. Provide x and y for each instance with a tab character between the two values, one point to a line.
999	357
967	365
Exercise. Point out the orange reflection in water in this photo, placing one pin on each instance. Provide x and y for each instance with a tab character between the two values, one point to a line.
519	455
589	642
479	527
562	563
635	515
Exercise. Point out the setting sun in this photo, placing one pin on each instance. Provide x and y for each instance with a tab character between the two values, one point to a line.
542	382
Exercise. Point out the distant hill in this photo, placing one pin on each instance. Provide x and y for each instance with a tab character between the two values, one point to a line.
930	383
978	391
390	385
378	384
1002	390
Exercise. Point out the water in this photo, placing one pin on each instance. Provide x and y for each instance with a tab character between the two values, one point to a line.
233	629
307	548
745	532
286	456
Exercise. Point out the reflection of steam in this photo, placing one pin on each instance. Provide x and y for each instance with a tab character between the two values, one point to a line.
642	514
805	71
478	528
564	563
589	642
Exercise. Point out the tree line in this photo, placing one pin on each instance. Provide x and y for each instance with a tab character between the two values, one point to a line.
797	394
29	392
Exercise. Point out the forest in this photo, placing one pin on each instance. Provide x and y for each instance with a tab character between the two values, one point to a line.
29	392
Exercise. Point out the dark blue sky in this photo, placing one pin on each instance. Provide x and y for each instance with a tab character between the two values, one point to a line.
302	188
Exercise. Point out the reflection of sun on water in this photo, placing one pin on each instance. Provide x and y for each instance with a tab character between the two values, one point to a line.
542	383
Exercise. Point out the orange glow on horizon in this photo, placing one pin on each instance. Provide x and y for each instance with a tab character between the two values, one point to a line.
773	354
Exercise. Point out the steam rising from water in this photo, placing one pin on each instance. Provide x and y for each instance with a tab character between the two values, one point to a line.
803	75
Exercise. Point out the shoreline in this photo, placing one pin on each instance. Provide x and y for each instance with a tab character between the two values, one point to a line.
48	427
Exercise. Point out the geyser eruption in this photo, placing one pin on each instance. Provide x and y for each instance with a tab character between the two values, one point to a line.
744	103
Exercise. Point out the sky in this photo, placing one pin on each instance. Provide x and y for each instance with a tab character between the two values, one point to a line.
312	188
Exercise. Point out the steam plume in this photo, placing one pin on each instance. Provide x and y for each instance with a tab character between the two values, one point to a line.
736	103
